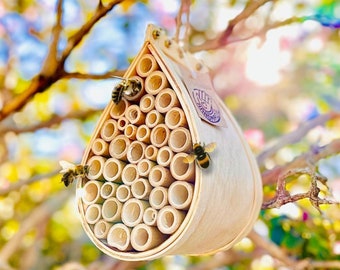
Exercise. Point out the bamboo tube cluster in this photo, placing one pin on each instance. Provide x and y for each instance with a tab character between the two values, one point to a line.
139	188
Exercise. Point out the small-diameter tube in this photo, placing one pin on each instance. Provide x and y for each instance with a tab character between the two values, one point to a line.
146	65
144	237
151	152
165	100
147	103
143	134
156	82
96	165
122	123
150	216
134	115
175	118
158	197
181	170
100	147
130	174
130	132
160	135
141	92
113	168
101	229
118	110
180	140
132	212
109	130
153	118
108	190
118	147
91	193
112	210
164	156
135	152
180	194
123	193
160	176
144	167
141	189
169	219
119	237
93	213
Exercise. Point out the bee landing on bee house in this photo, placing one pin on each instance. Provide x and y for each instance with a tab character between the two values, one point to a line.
71	172
200	154
128	87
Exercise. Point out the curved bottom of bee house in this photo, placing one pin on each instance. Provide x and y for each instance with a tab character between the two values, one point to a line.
162	203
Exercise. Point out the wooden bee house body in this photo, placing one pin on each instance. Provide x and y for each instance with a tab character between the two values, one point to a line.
142	199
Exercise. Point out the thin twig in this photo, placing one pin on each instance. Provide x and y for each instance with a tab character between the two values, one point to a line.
84	76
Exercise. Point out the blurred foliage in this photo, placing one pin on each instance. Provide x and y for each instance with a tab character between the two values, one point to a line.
272	83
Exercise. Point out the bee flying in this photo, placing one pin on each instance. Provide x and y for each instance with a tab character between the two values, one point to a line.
128	87
200	154
71	171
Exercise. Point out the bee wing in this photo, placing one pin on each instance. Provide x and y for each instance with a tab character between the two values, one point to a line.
65	165
210	147
189	159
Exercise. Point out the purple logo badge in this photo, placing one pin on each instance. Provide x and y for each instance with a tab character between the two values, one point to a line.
207	105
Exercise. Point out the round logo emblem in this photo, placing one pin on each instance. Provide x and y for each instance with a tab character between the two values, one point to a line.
207	105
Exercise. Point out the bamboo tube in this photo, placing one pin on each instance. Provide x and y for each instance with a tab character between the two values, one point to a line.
169	219
135	152
122	123
156	82
180	194
108	190
118	110
144	166
130	131
101	229
132	212
147	103
112	210
160	135
113	170
144	237
151	152
141	92
109	130
118	147
134	115
91	193
130	174
146	65
158	197
150	216
143	133
123	193
164	156
96	164
165	100
119	237
100	147
141	189
180	140
181	170
175	118
153	118
160	176
93	213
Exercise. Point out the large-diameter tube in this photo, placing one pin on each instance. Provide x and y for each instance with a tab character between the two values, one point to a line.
165	100
175	118
146	64
180	140
93	213
96	165
160	176
123	193
112	210
141	189
132	212
164	156
130	174
144	237
101	229
109	130
169	219
119	237
160	135
180	194
158	197
118	110
155	82
135	115
144	167
182	170
135	152
91	193
153	118
100	147
113	170
119	146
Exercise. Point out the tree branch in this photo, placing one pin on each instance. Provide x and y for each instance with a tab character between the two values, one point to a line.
84	76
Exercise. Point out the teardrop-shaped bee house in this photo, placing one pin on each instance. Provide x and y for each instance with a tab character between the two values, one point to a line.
169	169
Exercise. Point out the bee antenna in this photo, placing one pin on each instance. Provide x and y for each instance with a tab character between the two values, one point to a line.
118	77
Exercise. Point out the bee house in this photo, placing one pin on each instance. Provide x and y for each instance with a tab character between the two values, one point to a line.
147	195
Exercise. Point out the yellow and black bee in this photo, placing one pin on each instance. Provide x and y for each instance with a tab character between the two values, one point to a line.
128	87
71	172
200	154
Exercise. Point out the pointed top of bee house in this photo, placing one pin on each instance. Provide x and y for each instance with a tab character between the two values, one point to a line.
170	172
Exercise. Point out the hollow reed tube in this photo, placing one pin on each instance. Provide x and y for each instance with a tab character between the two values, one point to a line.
180	194
143	134
160	135
182	170
96	165
146	65
91	194
130	174
100	147
158	197
93	213
165	100
136	97
153	118
101	229
180	140
122	123
147	103
141	189
112	210
108	190
133	210
119	237
109	130
156	82
113	168
135	152
164	156
144	237
175	118
144	167
118	110
150	216
169	219
119	146
123	193
130	131
134	115
151	152
160	176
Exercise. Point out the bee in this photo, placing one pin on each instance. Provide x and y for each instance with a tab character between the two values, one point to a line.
128	87
200	154
71	171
